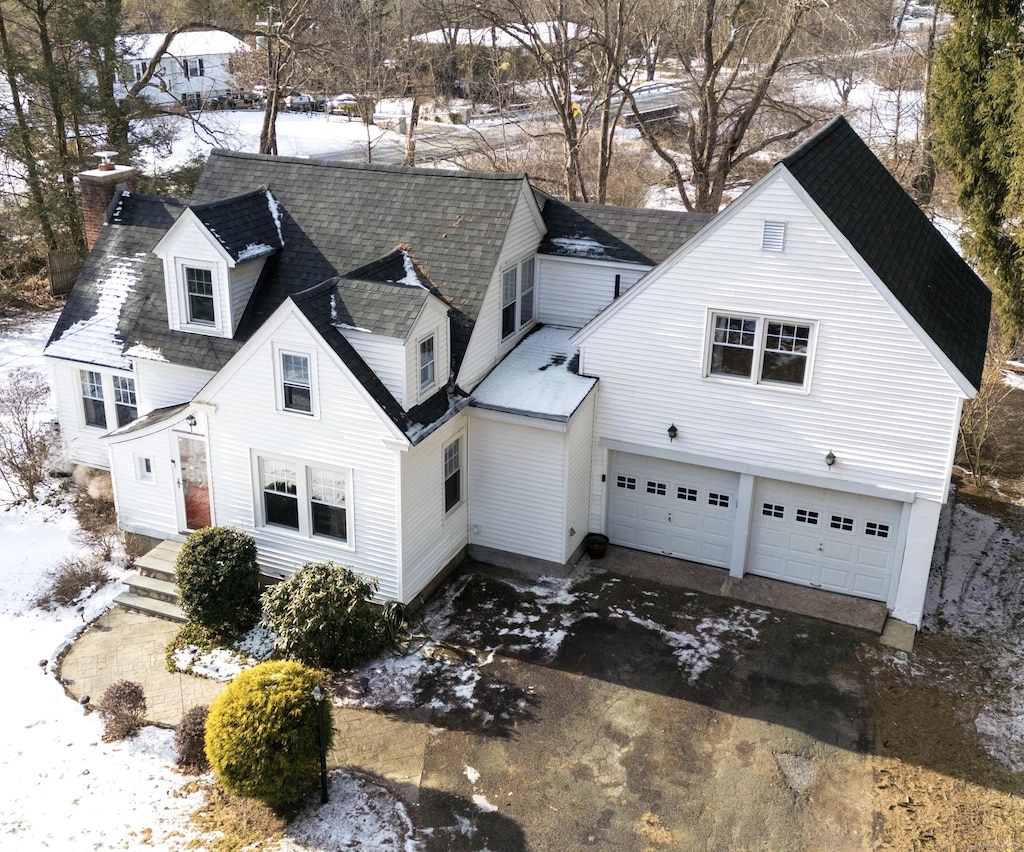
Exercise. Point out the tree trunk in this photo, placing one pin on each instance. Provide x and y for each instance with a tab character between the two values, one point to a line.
410	133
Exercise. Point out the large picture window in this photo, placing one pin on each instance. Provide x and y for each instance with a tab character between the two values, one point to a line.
760	349
308	499
92	399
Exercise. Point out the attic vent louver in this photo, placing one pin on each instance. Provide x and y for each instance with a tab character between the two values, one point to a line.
773	237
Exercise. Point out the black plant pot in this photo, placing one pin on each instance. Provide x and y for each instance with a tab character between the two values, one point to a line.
596	545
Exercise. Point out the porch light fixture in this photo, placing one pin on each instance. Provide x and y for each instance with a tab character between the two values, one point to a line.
321	738
830	459
191	421
672	432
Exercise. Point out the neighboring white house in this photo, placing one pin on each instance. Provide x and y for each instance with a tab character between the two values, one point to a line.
393	367
193	71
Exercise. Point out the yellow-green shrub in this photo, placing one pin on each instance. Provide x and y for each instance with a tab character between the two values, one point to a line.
262	734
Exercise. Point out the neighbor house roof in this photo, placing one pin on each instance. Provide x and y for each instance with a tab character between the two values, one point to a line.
193	43
606	232
891	234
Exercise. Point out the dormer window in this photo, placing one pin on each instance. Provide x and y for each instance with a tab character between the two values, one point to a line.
427	372
199	295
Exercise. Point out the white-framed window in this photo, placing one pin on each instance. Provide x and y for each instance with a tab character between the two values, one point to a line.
138	70
296	383
517	297
125	403
308	499
144	469
192	67
427	367
760	349
328	498
93	407
452	474
200	302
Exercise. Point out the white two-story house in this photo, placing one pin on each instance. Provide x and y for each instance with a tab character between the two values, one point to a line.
392	367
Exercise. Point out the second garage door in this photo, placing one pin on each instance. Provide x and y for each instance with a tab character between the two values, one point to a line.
677	509
826	539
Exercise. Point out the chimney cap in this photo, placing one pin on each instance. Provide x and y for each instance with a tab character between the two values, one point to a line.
106	160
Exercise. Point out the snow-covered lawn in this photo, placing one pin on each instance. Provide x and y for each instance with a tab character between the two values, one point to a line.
61	786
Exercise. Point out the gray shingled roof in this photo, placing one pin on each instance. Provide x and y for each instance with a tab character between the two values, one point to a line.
244	225
889	231
339	216
383	308
606	232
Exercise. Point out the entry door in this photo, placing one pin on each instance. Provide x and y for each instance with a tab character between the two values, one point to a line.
193	483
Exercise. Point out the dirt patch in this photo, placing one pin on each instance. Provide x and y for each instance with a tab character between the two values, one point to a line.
936	787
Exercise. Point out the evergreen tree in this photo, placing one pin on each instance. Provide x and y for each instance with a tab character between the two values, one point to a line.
978	134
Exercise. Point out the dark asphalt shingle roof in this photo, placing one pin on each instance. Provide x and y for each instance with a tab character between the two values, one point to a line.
244	225
889	231
606	232
380	307
337	217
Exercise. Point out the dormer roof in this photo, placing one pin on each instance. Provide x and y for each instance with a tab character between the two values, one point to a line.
384	297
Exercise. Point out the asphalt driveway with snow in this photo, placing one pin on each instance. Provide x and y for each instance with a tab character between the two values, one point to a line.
602	712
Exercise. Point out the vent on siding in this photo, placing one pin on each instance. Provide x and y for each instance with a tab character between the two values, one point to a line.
773	237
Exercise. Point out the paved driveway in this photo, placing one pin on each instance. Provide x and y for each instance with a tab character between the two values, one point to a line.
608	713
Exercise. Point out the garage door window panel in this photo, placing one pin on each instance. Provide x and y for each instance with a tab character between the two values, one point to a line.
877	530
716	498
806	516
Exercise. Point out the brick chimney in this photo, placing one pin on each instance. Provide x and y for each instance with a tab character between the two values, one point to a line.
99	187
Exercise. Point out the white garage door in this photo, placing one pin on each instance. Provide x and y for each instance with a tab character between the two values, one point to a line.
678	509
826	539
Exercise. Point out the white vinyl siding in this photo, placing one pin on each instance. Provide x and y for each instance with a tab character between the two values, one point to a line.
242	281
430	537
572	292
517	484
529	483
386	356
145	506
160	384
348	436
487	346
888	427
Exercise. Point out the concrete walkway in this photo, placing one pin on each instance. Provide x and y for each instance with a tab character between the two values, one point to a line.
122	645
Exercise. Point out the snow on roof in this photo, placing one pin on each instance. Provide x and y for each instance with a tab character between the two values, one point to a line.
535	379
95	339
197	43
510	36
579	247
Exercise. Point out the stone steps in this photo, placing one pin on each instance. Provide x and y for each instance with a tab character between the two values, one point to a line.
152	590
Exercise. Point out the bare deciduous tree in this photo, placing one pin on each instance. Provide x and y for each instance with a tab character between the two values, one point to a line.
27	439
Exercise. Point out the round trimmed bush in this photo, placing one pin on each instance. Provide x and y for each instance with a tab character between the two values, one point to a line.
190	739
217	576
262	734
322	616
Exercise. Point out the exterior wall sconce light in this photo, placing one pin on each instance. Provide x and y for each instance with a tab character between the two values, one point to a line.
830	459
672	432
191	421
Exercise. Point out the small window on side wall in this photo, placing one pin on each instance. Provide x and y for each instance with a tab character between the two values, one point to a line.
199	295
144	469
296	383
426	364
453	474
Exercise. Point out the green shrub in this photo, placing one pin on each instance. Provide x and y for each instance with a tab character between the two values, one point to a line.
262	734
322	616
123	709
217	578
190	739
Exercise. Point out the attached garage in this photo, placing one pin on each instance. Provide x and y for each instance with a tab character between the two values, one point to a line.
668	507
826	539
